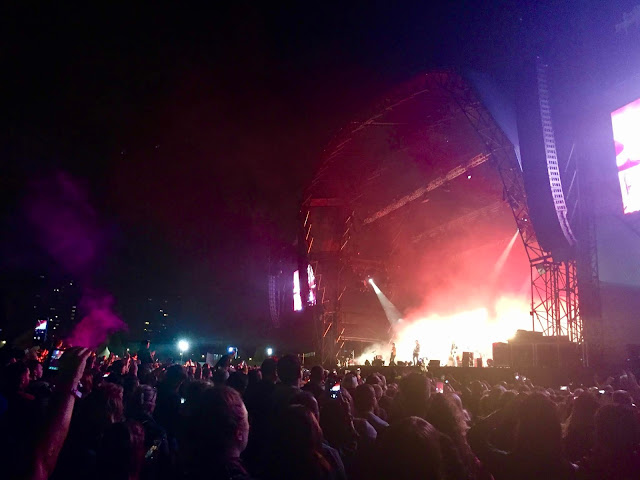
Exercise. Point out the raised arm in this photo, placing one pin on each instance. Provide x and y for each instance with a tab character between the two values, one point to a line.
54	433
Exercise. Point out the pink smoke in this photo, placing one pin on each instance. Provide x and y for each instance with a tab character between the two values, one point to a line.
68	228
98	324
66	224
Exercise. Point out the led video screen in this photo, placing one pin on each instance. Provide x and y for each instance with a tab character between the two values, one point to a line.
626	136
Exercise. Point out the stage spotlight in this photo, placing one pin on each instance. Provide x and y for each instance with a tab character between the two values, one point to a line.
183	346
269	351
231	349
371	281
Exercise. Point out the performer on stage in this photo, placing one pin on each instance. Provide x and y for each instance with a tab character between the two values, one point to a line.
416	353
393	353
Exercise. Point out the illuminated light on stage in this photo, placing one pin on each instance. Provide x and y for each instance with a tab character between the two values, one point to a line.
390	310
269	351
626	135
297	299
503	256
474	330
232	349
297	293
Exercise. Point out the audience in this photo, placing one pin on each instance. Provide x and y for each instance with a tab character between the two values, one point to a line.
134	418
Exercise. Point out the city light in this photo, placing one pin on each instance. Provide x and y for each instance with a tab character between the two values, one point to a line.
183	346
269	351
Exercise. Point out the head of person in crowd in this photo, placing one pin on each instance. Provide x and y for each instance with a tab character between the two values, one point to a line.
103	407
15	379
364	400
118	367
617	431
413	395
220	376
580	426
173	378
35	370
143	401
121	455
336	421
307	400
206	372
316	375
538	430
622	397
218	432
268	369
411	448
449	419
253	377
289	370
299	434
238	381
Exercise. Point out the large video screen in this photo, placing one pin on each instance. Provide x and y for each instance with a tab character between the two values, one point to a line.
626	135
297	293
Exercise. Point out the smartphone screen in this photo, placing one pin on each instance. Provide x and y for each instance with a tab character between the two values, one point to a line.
55	359
439	387
563	388
335	390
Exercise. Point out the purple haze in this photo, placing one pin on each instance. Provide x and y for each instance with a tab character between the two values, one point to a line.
67	227
98	324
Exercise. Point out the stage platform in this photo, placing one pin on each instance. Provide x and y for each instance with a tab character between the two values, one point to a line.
547	377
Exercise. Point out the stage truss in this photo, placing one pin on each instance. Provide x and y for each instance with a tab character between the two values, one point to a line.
554	287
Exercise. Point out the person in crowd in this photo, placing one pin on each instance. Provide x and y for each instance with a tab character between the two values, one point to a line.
216	436
145	355
445	415
315	385
159	462
299	434
290	374
412	450
365	403
411	400
206	372
238	381
579	429
615	454
122	452
168	401
537	451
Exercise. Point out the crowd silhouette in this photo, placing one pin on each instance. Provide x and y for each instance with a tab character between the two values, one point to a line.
137	418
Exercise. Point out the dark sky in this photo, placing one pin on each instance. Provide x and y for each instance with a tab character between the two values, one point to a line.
194	131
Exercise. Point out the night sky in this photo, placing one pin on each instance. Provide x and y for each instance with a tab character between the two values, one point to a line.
194	131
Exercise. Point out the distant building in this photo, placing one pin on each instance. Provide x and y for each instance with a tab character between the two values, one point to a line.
55	301
160	318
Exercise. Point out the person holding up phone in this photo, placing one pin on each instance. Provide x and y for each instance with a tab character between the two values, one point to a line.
36	456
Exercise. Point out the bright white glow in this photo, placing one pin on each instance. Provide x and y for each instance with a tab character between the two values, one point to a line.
183	345
626	136
312	285
371	281
297	299
269	351
472	330
231	349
